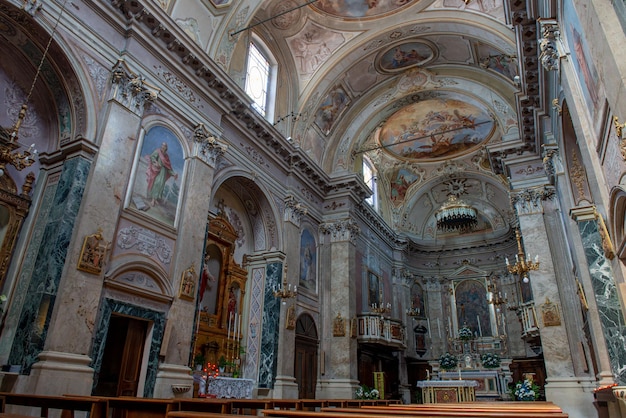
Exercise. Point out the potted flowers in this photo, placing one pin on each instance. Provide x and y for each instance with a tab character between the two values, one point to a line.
465	333
490	360
527	390
447	361
365	392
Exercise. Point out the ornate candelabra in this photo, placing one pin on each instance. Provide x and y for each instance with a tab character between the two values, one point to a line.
285	291
414	312
380	309
522	265
495	298
9	146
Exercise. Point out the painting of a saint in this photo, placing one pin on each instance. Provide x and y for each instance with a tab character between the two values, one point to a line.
406	55
374	290
433	129
400	182
417	300
160	164
308	260
471	306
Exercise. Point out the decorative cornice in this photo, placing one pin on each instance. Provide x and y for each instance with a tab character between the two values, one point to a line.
376	223
529	201
294	211
175	40
341	230
207	148
130	89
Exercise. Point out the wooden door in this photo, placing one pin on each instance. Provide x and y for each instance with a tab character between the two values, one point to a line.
121	361
305	367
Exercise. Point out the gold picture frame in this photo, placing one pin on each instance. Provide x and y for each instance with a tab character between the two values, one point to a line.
93	253
339	326
550	314
188	284
290	322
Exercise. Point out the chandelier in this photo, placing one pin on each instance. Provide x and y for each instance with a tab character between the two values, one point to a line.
456	215
522	265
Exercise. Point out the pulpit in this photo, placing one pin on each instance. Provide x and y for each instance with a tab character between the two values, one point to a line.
447	391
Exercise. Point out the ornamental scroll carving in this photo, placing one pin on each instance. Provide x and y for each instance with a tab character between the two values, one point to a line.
130	89
341	230
549	55
529	201
207	148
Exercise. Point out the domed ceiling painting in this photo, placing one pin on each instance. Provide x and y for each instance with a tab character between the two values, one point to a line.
360	8
437	128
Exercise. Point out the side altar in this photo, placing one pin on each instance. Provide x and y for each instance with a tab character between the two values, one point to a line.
447	391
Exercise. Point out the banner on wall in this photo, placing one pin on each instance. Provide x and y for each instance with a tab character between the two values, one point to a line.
379	383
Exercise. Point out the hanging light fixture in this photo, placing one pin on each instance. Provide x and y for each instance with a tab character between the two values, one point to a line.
9	138
456	215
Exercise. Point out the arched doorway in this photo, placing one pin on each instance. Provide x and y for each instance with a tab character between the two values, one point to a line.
305	367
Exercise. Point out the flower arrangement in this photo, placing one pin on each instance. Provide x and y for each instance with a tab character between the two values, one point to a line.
525	391
465	333
365	392
490	360
447	361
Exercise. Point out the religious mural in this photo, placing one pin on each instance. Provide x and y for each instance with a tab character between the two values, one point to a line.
359	8
471	306
400	180
437	128
308	261
406	55
159	169
417	300
497	61
312	46
331	108
493	8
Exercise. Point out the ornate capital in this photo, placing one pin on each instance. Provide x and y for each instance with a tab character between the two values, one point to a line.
207	148
341	230
130	89
551	162
293	211
549	55
529	201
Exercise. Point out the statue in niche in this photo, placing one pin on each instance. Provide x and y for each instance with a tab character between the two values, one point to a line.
339	326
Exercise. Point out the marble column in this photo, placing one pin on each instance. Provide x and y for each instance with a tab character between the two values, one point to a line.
562	385
340	350
607	318
174	370
285	386
61	346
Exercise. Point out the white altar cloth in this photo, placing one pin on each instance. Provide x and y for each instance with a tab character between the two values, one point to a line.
445	391
228	387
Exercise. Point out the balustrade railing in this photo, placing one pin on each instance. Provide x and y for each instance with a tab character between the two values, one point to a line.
376	329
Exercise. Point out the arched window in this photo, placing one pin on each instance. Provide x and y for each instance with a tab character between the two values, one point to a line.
370	176
261	79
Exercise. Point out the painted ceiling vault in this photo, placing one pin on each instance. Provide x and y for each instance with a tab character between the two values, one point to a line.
423	89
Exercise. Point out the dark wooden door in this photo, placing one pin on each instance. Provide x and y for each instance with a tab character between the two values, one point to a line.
305	367
121	361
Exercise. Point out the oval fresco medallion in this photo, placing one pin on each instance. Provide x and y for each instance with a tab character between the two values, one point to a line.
437	128
405	55
358	9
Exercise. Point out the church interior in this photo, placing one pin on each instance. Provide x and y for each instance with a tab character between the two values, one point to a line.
314	198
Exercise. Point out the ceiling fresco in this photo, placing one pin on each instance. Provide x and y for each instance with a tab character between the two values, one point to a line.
357	9
436	128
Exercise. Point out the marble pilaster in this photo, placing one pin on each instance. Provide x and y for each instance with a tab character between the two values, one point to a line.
341	377
268	356
561	380
190	245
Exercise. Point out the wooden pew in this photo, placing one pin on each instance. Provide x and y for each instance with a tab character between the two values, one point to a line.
365	413
540	406
469	410
210	405
67	405
132	407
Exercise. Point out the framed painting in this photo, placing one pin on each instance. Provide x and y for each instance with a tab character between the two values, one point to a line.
374	290
158	170
308	261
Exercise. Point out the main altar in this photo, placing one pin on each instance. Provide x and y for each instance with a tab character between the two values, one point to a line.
447	391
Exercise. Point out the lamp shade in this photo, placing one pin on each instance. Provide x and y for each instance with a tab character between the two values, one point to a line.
456	215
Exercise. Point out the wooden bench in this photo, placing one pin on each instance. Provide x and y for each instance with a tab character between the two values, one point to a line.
366	413
132	407
460	412
10	404
210	405
477	406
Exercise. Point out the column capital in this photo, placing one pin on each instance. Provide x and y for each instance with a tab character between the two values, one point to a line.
207	148
294	210
529	201
131	90
341	230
